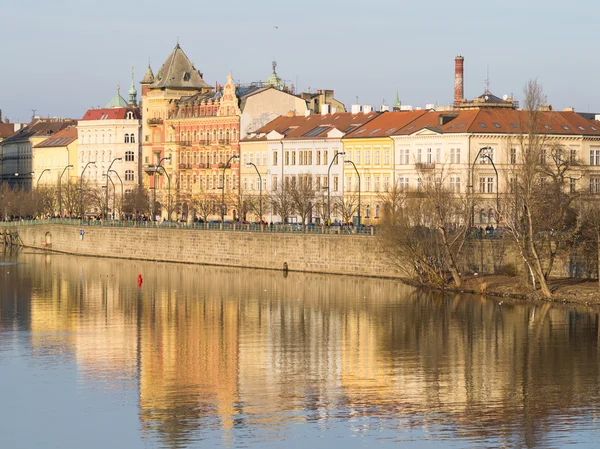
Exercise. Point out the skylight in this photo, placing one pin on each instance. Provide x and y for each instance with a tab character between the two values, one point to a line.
316	131
374	131
390	131
565	127
513	125
547	127
593	128
461	125
496	125
360	131
350	128
482	125
581	128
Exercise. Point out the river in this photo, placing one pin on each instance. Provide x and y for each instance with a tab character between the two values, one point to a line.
198	356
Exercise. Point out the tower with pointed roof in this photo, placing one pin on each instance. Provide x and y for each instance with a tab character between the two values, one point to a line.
132	91
117	101
274	79
397	104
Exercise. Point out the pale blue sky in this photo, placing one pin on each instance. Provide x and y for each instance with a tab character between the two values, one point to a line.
64	56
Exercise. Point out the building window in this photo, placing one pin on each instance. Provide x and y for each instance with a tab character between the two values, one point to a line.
404	156
572	185
386	183
595	157
325	157
368	211
318	162
513	156
377	211
367	183
486	184
488	152
455	155
129	176
287	158
132	138
274	183
595	185
377	183
403	183
377	161
419	155
126	138
129	156
274	157
455	184
234	135
336	185
367	157
386	157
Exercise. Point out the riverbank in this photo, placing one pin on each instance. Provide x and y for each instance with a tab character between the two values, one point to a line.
564	290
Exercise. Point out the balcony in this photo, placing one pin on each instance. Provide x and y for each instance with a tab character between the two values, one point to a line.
149	168
201	165
425	165
223	141
184	166
154	121
185	143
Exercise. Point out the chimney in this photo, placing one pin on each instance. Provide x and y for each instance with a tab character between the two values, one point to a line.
458	80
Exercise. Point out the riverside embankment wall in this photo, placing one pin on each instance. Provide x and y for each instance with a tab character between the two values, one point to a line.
335	254
319	253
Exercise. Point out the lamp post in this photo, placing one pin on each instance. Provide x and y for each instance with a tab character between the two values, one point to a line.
121	181
357	174
488	157
60	190
159	165
40	177
328	184
260	189
235	156
107	178
168	193
81	188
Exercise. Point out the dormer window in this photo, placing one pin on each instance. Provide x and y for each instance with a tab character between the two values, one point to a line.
186	76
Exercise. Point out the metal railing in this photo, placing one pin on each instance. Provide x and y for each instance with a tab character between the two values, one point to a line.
208	226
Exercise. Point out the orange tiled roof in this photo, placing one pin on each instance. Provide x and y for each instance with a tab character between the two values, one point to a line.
60	139
313	126
386	124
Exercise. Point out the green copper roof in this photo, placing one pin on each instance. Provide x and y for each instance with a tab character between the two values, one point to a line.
397	102
274	79
117	102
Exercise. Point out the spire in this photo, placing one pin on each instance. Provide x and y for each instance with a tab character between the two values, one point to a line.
274	79
149	76
397	103
132	91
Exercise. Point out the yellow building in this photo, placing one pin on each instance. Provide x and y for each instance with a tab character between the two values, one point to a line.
254	172
55	158
369	161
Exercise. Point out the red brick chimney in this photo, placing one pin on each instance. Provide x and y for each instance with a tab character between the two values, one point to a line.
458	80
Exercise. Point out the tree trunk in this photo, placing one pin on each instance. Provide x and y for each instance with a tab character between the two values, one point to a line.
537	266
453	268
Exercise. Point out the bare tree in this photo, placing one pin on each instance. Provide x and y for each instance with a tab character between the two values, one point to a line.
347	205
425	231
136	202
303	197
538	209
205	203
282	202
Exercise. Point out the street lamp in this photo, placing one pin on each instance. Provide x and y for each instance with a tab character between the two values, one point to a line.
260	189
121	181
81	188
235	156
485	155
60	189
159	165
107	178
168	192
357	174
40	177
328	188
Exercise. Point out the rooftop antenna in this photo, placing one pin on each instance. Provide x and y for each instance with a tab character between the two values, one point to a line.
487	80
33	113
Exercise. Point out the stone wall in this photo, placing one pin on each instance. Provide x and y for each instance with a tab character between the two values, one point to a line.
335	254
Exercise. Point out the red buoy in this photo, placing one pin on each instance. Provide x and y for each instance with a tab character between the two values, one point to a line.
140	280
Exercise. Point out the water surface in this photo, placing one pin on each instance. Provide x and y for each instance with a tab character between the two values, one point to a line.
219	357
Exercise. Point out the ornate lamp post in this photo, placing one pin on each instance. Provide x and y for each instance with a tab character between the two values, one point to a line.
168	192
60	211
121	181
235	156
328	184
81	188
260	188
357	174
159	165
107	179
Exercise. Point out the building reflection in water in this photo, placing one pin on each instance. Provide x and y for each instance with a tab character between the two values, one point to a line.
228	352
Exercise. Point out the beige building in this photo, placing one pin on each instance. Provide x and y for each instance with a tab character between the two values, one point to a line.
56	158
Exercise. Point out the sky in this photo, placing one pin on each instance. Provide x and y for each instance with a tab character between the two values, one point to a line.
66	56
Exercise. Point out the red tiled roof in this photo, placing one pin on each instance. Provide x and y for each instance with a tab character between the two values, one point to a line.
6	130
60	139
386	124
110	113
314	126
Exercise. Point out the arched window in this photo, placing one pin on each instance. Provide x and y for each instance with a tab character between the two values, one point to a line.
201	136
129	156
194	136
132	138
227	136
368	211
220	134
126	138
214	135
214	184
214	157
234	135
129	176
377	211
